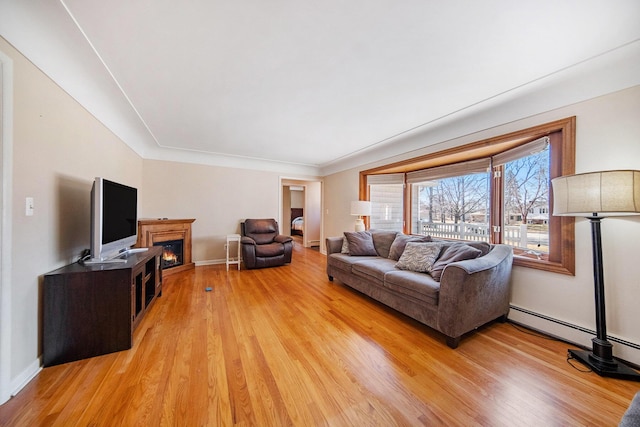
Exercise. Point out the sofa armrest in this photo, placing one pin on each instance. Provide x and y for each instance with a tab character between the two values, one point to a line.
474	292
247	240
334	245
631	416
280	238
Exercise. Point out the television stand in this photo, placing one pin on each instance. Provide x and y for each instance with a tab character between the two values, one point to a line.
89	310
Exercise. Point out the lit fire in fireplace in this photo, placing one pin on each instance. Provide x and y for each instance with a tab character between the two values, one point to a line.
172	253
169	257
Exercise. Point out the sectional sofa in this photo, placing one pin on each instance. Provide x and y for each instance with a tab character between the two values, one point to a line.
452	287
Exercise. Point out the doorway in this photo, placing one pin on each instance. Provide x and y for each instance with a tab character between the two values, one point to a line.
301	210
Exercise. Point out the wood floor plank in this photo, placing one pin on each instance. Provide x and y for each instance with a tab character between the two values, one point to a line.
286	347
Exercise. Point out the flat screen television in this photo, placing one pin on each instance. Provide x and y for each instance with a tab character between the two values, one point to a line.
114	220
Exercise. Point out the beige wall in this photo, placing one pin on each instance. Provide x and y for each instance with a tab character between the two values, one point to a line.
297	199
312	213
58	149
608	137
339	190
218	198
285	227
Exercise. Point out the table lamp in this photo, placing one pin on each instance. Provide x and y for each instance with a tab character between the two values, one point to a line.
360	208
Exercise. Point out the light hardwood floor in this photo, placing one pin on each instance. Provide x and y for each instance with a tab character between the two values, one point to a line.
284	346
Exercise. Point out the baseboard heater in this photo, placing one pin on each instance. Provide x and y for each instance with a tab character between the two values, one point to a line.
572	326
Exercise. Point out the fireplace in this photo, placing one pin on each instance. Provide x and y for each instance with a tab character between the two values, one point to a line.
172	253
174	235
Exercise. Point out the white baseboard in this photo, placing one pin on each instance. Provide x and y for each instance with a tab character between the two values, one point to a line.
25	376
211	262
573	334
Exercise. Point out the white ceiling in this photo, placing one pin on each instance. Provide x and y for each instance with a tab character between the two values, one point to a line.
305	86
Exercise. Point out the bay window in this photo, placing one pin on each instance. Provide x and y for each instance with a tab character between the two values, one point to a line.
495	190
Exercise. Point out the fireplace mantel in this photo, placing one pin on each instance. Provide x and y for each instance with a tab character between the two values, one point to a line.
152	231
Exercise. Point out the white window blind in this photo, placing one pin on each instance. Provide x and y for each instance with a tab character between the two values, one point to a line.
448	171
385	179
386	193
521	151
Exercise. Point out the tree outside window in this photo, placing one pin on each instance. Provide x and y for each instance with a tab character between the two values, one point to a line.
526	203
454	207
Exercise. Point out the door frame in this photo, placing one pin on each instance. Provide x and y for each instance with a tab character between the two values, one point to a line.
302	182
6	159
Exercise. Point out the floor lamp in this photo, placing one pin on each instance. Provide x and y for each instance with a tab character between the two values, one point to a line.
360	208
596	195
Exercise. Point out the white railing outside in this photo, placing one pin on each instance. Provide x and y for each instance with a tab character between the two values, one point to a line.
461	230
514	235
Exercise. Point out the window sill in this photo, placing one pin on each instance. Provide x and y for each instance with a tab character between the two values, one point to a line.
542	264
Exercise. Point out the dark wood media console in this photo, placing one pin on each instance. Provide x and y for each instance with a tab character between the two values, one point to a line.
94	309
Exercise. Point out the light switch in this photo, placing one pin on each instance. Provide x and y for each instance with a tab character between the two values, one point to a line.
29	206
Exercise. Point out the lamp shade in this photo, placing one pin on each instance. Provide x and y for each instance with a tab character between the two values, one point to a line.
361	208
606	193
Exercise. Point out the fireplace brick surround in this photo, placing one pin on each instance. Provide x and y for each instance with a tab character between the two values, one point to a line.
154	231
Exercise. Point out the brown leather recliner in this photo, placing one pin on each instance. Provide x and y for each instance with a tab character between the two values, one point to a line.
262	245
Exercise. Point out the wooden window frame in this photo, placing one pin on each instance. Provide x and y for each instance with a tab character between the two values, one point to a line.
562	135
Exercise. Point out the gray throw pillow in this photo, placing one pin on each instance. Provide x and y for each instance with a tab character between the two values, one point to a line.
360	243
419	256
401	240
484	247
382	240
452	253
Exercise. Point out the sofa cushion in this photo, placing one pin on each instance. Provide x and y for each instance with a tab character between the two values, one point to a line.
453	253
269	250
382	240
373	268
345	262
418	286
400	241
419	257
360	243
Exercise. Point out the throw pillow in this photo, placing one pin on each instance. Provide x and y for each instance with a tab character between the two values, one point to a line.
360	243
345	246
401	240
382	240
484	247
419	256
452	253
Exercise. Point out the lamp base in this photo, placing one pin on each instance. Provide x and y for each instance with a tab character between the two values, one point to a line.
612	369
359	225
